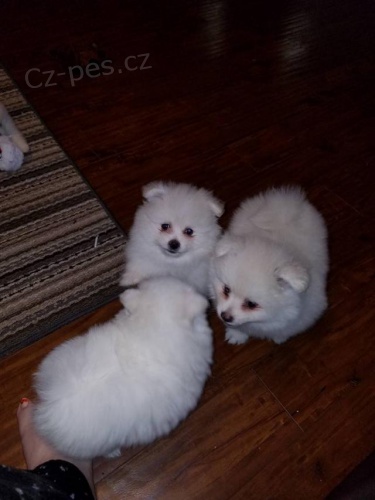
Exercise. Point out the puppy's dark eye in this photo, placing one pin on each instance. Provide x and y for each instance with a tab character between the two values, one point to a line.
249	304
188	231
165	226
226	290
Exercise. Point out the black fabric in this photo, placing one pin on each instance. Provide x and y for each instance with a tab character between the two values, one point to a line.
53	480
359	485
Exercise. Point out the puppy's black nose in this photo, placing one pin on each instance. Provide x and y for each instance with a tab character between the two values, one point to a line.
228	318
174	245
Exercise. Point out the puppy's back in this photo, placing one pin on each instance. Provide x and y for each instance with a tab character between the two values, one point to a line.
269	210
285	216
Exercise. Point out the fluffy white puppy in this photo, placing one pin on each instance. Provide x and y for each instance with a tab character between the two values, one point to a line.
130	380
174	233
268	276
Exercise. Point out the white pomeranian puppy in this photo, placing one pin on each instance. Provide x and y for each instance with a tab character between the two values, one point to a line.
130	380
174	233
268	277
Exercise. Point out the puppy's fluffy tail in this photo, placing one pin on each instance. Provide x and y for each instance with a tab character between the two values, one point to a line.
275	208
284	204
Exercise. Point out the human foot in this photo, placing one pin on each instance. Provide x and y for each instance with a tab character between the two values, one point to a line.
36	450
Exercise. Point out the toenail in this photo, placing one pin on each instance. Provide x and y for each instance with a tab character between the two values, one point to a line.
24	402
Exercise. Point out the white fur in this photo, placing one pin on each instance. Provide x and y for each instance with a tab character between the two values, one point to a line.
9	128
274	254
12	143
182	206
130	380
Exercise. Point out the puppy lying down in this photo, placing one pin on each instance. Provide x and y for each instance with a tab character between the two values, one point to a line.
268	276
130	380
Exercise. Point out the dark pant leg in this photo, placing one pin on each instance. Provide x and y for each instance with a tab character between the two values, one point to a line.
53	480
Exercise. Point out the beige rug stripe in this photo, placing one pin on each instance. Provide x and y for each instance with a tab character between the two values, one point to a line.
61	251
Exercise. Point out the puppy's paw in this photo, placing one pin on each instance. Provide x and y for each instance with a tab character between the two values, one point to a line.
130	278
279	340
114	454
233	336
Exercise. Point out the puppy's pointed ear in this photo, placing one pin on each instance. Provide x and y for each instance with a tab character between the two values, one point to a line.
214	203
154	190
216	206
223	246
228	243
294	275
195	303
129	296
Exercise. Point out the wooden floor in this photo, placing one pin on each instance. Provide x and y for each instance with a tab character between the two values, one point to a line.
235	96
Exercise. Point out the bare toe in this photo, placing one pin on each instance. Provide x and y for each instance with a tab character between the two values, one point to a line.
35	449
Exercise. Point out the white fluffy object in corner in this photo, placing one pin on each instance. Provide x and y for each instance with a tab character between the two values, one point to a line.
11	157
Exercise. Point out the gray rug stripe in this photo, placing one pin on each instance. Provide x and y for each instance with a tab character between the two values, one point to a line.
61	251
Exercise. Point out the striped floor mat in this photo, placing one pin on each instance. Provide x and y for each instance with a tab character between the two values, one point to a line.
61	253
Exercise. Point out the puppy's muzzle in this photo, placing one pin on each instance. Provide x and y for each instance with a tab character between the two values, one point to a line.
173	245
227	317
